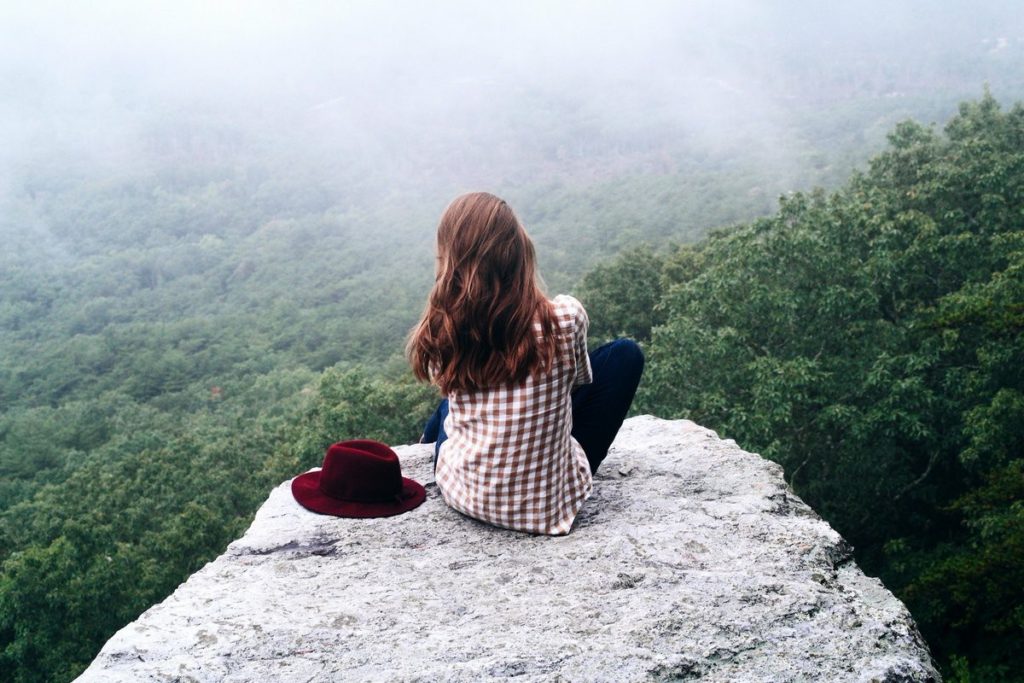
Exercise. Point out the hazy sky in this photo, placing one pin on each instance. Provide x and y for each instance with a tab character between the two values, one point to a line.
84	73
266	46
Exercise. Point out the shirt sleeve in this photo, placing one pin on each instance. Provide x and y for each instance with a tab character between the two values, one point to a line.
584	374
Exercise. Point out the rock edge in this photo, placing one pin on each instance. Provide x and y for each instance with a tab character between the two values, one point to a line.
692	560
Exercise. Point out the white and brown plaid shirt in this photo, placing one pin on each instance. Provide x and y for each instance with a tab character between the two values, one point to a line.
509	459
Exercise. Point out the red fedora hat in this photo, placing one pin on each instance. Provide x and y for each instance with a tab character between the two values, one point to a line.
360	478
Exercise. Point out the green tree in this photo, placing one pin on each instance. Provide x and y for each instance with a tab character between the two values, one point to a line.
621	296
870	341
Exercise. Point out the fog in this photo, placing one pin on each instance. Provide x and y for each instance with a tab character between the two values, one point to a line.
407	79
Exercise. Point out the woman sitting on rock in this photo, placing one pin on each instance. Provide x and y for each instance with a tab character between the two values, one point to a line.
529	414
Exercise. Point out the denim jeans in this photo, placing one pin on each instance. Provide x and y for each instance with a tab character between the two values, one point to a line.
598	408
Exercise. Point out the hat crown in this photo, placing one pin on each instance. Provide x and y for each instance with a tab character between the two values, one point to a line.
361	471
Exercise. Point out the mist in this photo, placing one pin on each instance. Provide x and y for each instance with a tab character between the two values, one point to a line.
477	94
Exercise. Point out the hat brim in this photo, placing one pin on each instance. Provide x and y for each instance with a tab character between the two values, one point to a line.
306	490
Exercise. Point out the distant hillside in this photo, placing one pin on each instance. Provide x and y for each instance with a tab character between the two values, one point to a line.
184	328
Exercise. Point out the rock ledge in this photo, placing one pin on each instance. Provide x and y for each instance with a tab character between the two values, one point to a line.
691	560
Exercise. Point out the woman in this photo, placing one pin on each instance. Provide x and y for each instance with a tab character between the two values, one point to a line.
529	414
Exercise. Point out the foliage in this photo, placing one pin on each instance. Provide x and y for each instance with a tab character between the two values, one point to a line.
870	341
622	296
183	329
179	336
133	518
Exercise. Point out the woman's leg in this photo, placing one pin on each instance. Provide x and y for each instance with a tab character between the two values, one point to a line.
434	429
599	408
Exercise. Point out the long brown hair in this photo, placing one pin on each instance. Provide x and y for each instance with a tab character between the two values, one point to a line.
477	330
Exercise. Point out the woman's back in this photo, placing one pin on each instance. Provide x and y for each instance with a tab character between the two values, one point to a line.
509	458
519	436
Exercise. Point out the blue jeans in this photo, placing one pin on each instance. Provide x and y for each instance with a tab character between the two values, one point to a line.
598	408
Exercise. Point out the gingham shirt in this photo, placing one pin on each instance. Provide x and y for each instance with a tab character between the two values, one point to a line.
509	459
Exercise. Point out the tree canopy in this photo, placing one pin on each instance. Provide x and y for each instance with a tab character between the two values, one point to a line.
869	340
218	327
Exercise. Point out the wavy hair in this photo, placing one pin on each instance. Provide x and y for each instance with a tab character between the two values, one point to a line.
477	330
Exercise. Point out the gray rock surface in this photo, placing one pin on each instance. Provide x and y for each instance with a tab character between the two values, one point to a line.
691	560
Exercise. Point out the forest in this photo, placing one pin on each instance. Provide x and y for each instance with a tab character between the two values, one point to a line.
870	341
207	277
868	338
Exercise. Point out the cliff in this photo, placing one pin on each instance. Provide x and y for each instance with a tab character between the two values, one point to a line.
691	560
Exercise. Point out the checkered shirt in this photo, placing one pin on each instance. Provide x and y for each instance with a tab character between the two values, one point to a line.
509	459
